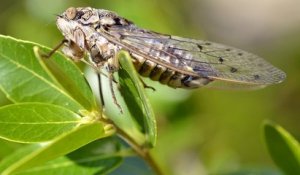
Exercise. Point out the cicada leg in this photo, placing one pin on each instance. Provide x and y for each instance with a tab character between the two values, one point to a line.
112	67
54	49
111	81
110	78
147	86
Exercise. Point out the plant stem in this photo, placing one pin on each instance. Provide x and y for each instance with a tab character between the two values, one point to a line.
142	152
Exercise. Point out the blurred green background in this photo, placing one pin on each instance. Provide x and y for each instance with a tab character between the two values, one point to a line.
204	131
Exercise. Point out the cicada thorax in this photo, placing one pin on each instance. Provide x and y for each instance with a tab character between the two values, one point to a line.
101	51
73	51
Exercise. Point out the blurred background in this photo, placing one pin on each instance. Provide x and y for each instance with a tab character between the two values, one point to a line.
203	131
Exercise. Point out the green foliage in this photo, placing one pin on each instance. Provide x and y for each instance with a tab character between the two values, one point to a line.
90	159
68	76
60	146
23	78
206	131
138	104
283	148
35	122
54	106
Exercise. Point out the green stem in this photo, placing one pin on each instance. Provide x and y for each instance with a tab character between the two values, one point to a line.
140	150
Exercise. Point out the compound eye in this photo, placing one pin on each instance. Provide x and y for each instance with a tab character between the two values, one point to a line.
71	13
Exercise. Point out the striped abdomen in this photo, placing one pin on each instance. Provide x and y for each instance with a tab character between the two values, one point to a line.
167	76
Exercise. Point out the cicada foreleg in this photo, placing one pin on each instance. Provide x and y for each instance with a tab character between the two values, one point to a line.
54	49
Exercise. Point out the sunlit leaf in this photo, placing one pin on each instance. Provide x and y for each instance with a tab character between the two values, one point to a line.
98	157
35	122
69	76
17	155
25	79
134	95
283	148
62	145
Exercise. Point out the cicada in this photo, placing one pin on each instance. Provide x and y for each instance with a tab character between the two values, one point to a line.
175	61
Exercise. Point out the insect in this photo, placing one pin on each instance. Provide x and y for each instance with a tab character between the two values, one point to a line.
175	61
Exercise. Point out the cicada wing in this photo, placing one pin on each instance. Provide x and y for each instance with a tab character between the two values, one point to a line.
227	85
204	58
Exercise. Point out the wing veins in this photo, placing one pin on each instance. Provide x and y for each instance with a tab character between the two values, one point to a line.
175	56
153	37
157	36
114	40
178	57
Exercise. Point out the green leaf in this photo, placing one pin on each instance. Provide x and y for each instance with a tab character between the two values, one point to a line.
69	76
35	122
86	165
62	145
3	99
98	157
17	155
7	147
134	95
24	78
283	148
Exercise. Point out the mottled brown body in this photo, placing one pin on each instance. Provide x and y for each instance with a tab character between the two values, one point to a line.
174	61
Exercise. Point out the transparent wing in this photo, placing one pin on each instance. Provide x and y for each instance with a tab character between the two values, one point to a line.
204	58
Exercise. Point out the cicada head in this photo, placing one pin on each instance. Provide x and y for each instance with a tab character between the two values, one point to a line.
88	16
76	24
76	18
82	28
